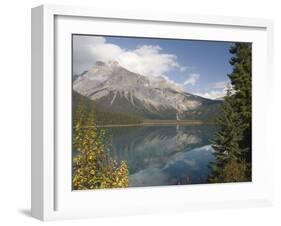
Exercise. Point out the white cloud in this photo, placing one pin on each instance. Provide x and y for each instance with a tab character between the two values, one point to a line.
183	68
217	90
82	56
192	79
213	94
105	52
148	60
219	85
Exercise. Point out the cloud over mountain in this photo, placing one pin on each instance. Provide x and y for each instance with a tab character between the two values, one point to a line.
148	60
216	90
165	66
192	79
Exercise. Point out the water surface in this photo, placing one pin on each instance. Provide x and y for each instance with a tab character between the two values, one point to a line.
164	155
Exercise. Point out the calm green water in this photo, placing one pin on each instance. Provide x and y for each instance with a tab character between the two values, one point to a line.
164	155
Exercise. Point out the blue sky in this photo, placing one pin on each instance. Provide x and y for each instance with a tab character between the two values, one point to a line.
199	67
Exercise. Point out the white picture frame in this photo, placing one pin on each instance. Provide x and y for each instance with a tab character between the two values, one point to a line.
52	197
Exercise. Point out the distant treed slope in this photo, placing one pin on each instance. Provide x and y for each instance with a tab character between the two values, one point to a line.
208	110
102	116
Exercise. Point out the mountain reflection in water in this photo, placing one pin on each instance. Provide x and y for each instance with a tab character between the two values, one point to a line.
164	155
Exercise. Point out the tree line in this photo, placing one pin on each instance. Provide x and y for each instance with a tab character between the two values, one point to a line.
103	117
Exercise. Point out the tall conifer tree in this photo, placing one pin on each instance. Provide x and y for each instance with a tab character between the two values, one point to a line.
233	141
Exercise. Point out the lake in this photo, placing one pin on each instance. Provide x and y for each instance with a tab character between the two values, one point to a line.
164	155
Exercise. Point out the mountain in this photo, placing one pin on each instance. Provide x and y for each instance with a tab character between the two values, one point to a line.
116	89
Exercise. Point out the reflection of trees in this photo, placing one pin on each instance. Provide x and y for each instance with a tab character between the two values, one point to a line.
153	146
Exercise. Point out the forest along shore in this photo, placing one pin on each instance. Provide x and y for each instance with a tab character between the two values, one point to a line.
159	123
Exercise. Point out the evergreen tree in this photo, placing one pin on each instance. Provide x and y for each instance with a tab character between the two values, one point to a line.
232	142
241	80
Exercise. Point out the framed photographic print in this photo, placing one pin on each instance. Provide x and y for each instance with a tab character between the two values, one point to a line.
137	112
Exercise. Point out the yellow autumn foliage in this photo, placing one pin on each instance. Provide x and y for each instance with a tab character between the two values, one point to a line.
93	168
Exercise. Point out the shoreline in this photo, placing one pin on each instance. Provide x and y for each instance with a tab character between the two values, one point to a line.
158	123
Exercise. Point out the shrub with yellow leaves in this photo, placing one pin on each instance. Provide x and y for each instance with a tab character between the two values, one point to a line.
93	168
